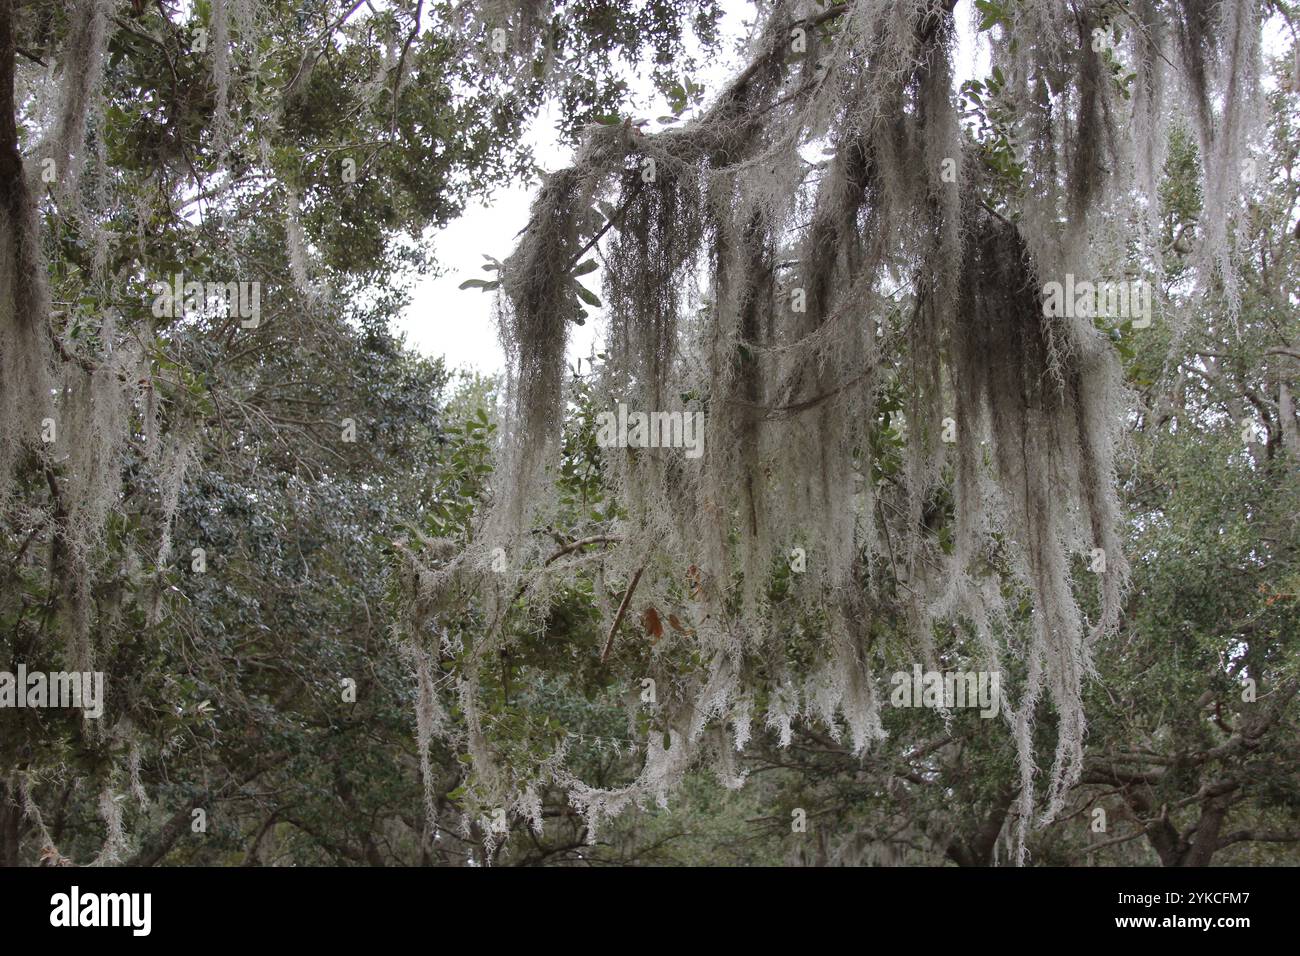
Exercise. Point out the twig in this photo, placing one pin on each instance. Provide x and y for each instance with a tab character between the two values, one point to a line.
582	543
1093	848
618	618
569	549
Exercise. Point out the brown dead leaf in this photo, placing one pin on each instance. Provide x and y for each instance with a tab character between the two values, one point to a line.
650	621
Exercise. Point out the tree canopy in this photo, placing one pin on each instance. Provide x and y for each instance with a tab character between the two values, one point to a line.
904	371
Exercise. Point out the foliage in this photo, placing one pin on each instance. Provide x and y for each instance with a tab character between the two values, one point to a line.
352	608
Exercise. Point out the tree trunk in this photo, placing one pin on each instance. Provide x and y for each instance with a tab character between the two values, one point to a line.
978	850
